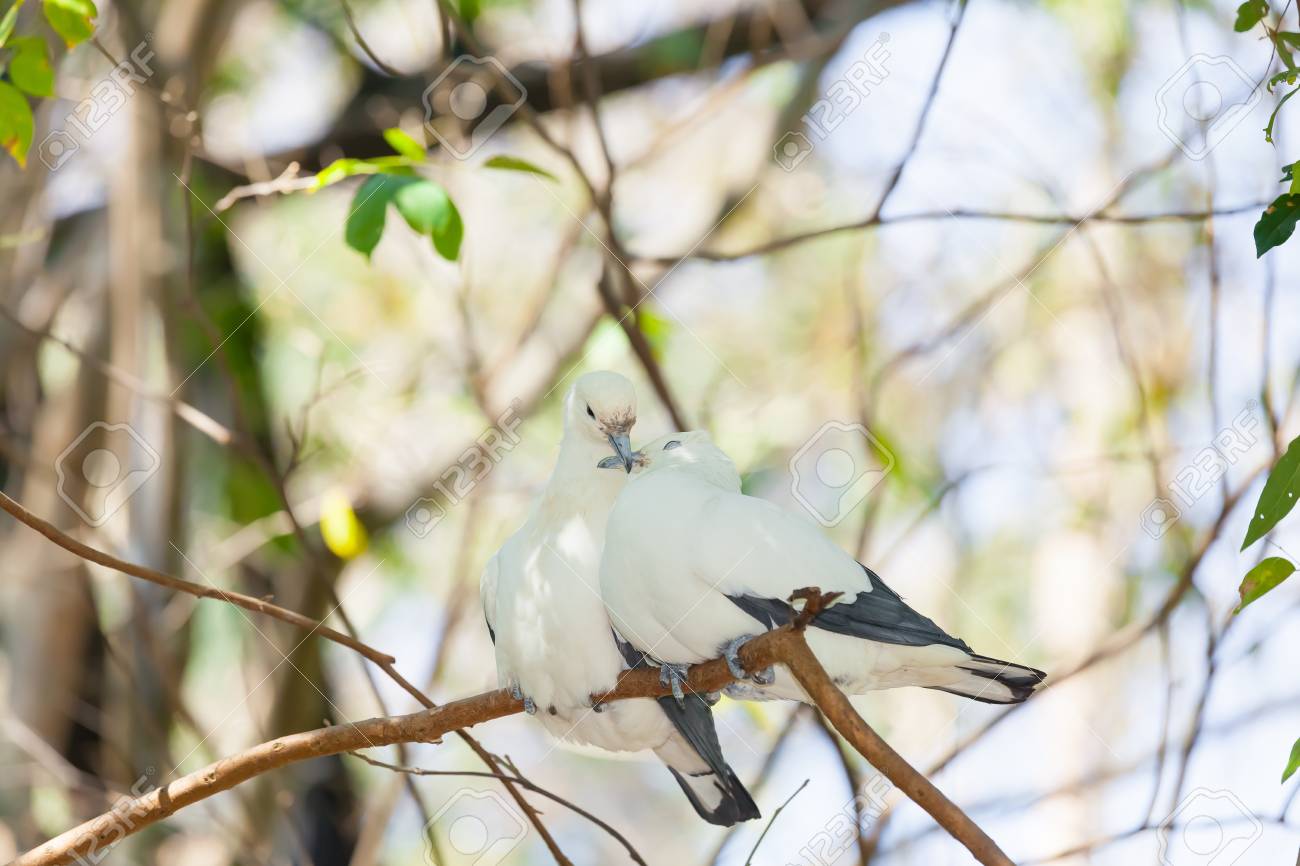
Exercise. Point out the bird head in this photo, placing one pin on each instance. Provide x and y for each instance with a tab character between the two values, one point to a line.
601	407
692	451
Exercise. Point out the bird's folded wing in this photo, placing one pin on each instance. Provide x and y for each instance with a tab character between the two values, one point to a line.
748	546
763	553
487	593
879	615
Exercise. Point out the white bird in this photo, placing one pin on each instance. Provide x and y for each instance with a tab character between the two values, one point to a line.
693	568
554	644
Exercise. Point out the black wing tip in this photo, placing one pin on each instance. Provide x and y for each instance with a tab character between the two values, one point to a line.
736	806
1019	680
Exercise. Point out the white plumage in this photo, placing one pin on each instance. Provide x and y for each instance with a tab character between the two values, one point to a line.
554	643
691	564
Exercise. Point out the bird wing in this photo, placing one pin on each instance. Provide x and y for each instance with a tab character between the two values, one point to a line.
752	547
487	593
762	553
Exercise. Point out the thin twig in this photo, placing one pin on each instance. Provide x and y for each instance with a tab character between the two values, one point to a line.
365	47
523	783
772	820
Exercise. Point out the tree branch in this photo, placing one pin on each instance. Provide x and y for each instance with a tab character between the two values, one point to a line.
259	605
785	646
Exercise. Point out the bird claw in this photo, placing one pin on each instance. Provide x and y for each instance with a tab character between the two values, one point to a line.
731	654
516	692
529	706
599	706
674	676
712	698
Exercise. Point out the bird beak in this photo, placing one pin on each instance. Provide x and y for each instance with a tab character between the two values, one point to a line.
622	446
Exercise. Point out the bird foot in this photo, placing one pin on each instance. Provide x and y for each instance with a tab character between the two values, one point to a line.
599	706
731	654
674	676
529	706
516	692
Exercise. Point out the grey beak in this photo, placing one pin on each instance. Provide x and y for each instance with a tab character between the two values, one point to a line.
622	445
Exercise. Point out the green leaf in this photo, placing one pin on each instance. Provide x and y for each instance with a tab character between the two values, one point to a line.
448	237
30	67
339	169
365	225
71	19
514	163
428	209
8	21
1278	496
1276	223
16	124
1272	118
1289	76
1294	763
404	144
1290	178
1249	14
342	169
422	204
1262	578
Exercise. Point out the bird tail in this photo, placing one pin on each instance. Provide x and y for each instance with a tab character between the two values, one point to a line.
694	757
992	681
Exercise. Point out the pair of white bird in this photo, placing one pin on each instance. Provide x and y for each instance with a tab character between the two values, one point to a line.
656	557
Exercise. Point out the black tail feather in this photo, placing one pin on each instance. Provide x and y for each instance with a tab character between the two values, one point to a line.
694	721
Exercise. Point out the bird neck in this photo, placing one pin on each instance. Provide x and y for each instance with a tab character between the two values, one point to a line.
576	472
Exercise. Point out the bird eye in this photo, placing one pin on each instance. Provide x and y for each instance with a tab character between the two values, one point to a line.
591	414
676	443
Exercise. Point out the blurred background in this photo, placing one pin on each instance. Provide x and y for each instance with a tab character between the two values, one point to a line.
972	285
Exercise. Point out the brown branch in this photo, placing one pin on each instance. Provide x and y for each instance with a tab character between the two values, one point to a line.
365	46
876	221
835	706
99	557
523	783
385	662
785	645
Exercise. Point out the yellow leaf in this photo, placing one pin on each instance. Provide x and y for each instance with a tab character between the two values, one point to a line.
339	527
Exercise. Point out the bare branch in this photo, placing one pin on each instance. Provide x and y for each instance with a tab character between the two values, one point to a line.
785	645
238	599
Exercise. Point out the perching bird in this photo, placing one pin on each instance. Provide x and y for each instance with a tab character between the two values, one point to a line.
693	568
554	644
